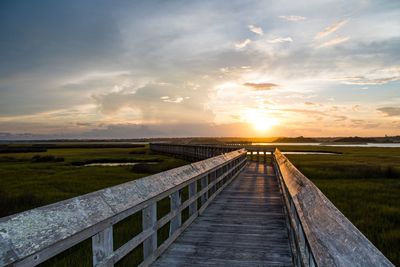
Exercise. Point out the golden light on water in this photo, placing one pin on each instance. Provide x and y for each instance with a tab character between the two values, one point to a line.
260	119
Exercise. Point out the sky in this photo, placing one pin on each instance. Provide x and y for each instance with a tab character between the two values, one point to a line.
128	69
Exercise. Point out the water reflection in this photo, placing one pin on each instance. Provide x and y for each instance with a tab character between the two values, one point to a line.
330	144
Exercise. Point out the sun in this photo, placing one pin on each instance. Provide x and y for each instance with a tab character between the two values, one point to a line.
260	119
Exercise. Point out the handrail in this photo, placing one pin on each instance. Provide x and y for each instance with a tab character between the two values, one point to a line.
323	236
256	153
192	151
32	237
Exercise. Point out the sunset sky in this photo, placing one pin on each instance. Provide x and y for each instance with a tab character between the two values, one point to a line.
126	69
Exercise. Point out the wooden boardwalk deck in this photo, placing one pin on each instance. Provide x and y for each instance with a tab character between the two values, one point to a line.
243	226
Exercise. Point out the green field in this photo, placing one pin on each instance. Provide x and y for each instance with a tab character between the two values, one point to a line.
26	182
364	183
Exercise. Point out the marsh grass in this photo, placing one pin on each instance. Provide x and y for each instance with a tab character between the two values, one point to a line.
26	184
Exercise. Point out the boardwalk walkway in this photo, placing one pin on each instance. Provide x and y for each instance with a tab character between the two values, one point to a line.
243	226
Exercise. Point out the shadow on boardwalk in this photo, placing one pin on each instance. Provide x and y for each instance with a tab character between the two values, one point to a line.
244	226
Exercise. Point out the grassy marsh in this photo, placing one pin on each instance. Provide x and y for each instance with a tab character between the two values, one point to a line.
364	183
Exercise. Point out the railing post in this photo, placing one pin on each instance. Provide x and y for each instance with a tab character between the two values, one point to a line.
149	219
175	200
204	183
213	177
192	192
102	246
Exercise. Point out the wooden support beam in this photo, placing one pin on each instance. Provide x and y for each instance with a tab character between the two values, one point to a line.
102	246
204	183
175	200
149	220
213	177
192	192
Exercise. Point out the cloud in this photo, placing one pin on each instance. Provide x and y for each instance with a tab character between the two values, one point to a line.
362	80
129	131
256	29
242	44
292	18
144	106
261	86
335	41
390	111
356	108
378	76
308	103
280	40
339	117
136	43
332	28
177	100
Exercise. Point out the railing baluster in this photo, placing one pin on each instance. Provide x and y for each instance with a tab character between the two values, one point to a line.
192	192
204	183
213	177
175	200
102	245
149	218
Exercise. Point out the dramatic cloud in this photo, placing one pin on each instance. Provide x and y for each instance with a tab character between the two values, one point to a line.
280	40
390	111
332	28
256	29
292	18
261	86
242	44
335	41
65	69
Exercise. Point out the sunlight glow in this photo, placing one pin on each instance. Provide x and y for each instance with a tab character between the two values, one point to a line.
260	120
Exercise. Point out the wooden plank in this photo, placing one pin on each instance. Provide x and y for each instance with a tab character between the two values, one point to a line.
232	230
175	235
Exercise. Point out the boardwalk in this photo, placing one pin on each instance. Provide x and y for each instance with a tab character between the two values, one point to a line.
244	226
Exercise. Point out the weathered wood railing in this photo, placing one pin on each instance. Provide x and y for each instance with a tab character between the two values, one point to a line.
257	153
321	235
195	152
32	237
